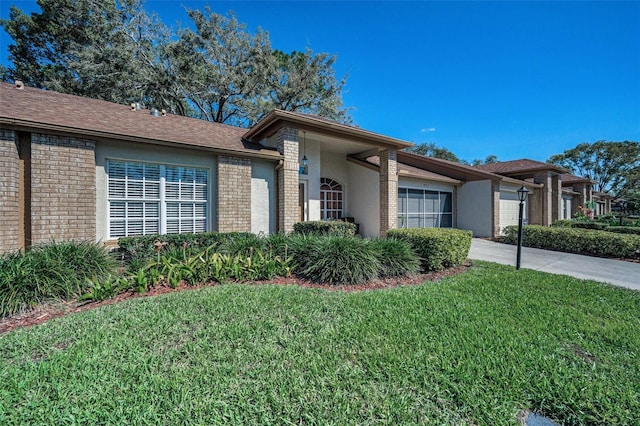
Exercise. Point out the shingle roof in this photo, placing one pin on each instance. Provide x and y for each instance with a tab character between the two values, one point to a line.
36	108
571	179
411	171
518	166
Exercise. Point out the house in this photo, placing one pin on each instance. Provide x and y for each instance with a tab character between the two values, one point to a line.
79	168
561	195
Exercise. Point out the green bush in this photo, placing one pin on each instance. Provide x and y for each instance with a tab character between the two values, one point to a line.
336	260
56	270
396	257
601	226
564	223
438	248
625	229
572	240
322	227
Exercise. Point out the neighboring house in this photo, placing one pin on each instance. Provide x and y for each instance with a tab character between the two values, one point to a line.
79	168
561	195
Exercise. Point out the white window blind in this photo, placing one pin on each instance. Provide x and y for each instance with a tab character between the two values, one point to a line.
149	198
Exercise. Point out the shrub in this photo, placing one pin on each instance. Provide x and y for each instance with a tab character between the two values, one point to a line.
563	223
321	227
625	229
336	260
57	270
571	240
438	248
396	257
590	225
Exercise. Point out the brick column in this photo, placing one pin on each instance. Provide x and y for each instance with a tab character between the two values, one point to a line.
63	188
9	192
388	190
288	179
234	194
534	202
546	196
556	198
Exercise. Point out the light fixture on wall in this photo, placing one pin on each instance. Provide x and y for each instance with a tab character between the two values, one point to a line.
304	168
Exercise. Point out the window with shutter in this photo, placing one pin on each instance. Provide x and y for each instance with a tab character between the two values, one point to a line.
149	198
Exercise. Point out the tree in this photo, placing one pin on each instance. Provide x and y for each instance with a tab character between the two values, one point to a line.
430	149
114	50
490	159
610	164
100	49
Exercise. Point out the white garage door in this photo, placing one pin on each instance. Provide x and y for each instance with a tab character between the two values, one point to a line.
509	209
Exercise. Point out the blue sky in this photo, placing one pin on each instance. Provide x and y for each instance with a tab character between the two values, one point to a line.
512	79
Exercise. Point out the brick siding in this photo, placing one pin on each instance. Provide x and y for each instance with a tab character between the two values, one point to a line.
234	194
288	179
388	190
63	188
9	188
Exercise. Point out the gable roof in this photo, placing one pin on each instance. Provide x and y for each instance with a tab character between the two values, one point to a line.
518	167
373	162
313	123
35	109
568	179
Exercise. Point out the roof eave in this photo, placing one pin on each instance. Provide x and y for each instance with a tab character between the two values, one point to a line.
19	124
279	118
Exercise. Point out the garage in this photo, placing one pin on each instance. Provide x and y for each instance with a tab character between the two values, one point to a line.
509	209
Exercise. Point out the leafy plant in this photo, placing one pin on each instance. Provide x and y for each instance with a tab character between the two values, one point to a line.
104	288
323	227
396	257
56	270
338	260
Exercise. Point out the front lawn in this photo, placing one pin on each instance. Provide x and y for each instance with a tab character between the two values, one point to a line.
476	348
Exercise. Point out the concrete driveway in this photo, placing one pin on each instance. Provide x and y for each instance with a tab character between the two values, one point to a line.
617	272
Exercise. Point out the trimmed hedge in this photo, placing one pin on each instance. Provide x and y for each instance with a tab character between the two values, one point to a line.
572	240
325	227
625	229
438	248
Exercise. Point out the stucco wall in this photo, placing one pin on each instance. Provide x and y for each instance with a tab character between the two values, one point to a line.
263	197
334	166
312	179
474	208
364	199
153	154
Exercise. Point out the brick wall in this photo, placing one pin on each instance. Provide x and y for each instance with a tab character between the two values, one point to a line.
63	188
9	188
388	190
288	179
234	194
495	210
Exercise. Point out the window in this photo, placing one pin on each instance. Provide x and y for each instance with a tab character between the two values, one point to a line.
331	199
419	208
156	199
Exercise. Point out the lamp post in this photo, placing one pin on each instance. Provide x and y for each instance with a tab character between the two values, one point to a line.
522	196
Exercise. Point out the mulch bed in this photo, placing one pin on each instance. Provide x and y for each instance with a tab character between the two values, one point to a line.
55	309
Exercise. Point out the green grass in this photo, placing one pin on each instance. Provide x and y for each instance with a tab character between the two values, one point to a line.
472	349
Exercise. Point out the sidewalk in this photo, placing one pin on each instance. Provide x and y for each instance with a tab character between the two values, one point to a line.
617	272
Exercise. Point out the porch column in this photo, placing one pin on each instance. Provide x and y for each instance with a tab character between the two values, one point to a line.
534	202
288	179
556	198
388	190
546	195
495	208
